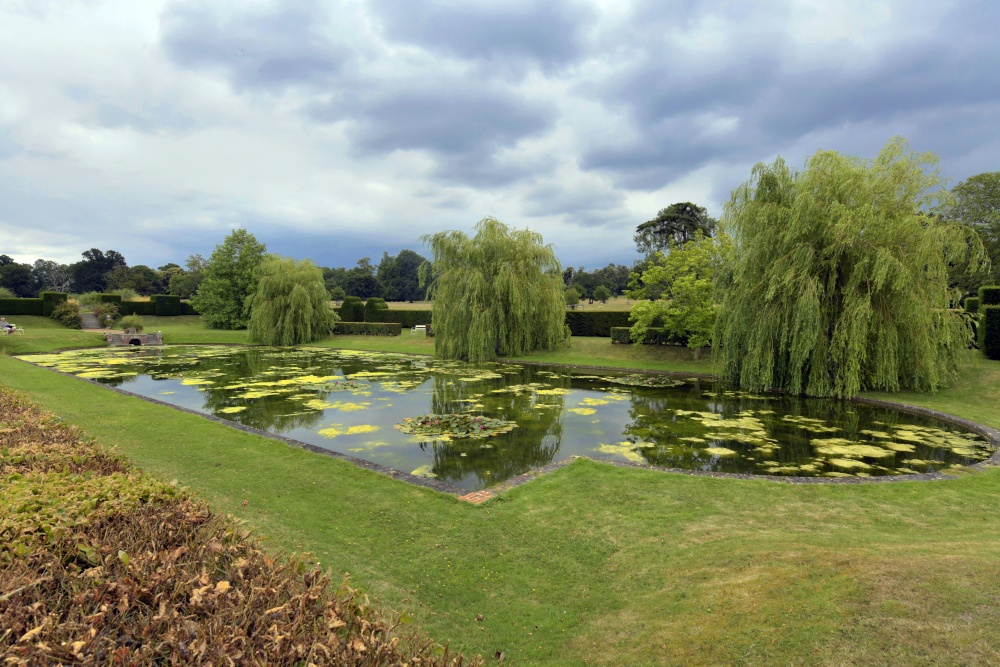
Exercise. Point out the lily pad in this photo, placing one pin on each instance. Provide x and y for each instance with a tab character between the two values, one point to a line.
455	426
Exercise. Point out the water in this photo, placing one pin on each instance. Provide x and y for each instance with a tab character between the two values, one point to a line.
358	403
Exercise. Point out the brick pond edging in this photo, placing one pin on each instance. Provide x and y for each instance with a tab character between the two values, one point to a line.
477	497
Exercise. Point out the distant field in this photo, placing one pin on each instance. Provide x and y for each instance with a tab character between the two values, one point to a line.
619	303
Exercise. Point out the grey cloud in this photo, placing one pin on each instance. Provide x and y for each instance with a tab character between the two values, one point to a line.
583	205
145	118
257	49
548	33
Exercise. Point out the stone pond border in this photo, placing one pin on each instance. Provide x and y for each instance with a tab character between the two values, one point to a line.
476	497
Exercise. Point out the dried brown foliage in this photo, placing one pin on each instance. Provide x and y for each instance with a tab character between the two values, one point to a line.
99	565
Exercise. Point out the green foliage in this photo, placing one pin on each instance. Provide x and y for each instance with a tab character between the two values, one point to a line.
67	314
352	310
457	426
399	276
230	280
376	310
976	203
972	305
572	296
596	323
989	295
101	298
838	281
167	305
499	293
621	335
131	322
125	293
676	224
290	306
337	293
602	294
991	331
651	336
6	294
138	308
18	278
367	328
50	300
21	306
686	307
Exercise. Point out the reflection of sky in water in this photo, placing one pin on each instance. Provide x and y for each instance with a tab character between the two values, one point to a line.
693	425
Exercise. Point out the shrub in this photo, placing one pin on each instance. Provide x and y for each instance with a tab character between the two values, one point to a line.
367	329
6	294
50	300
106	313
188	309
989	295
130	322
166	305
21	306
337	294
376	310
972	305
991	332
104	298
352	310
67	314
572	296
596	323
621	335
126	293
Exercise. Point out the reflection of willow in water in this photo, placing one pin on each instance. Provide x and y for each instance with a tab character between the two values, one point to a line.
533	443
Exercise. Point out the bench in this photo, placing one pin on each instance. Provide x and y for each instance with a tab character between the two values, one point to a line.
16	331
419	327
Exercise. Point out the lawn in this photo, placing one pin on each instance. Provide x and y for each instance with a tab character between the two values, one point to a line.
606	566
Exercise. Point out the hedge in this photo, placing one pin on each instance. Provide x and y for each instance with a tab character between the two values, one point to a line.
596	323
137	308
166	305
367	329
972	304
21	307
111	298
188	309
50	300
352	310
991	335
375	310
654	336
409	318
989	295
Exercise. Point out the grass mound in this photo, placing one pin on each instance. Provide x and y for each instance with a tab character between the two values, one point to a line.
100	564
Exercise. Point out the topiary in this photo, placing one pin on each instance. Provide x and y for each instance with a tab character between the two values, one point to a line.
352	310
374	309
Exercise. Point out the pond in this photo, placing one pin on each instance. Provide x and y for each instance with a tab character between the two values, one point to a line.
485	423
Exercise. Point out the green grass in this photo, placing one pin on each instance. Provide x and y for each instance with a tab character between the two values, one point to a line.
594	351
43	334
607	565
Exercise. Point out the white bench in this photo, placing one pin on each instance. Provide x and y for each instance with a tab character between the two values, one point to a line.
419	327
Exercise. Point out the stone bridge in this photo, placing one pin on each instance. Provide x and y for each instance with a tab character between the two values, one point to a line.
119	338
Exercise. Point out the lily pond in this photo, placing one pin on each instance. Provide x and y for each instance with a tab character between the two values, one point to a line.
474	426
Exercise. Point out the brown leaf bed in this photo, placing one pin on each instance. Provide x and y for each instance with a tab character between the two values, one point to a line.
102	565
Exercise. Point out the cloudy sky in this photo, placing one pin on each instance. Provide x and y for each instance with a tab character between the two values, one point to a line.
337	129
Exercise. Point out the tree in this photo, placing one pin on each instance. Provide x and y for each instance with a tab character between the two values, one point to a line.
185	283
361	281
685	304
678	223
976	203
90	274
18	279
499	293
398	276
337	293
602	293
230	279
139	278
572	296
290	306
51	276
838	279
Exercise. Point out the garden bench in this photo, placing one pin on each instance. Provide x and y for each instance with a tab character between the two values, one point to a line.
17	330
419	327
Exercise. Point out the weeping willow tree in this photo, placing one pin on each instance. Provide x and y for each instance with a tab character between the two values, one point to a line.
838	278
499	293
290	305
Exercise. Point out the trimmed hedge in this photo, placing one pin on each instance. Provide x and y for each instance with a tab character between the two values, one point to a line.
137	308
352	310
21	307
972	304
409	318
989	295
375	310
367	329
654	336
50	300
166	305
596	323
991	334
188	309
111	298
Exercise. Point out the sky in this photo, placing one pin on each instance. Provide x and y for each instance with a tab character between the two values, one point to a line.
339	129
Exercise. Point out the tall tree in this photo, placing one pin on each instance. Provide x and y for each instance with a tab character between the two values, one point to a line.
676	223
499	293
398	276
976	203
838	279
51	276
90	274
361	281
18	279
230	278
291	303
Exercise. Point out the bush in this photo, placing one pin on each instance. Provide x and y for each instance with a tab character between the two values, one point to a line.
103	298
106	313
130	322
166	305
352	310
6	294
972	304
188	309
67	314
376	310
989	295
50	300
596	323
21	306
138	308
991	332
126	293
621	335
654	336
367	329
